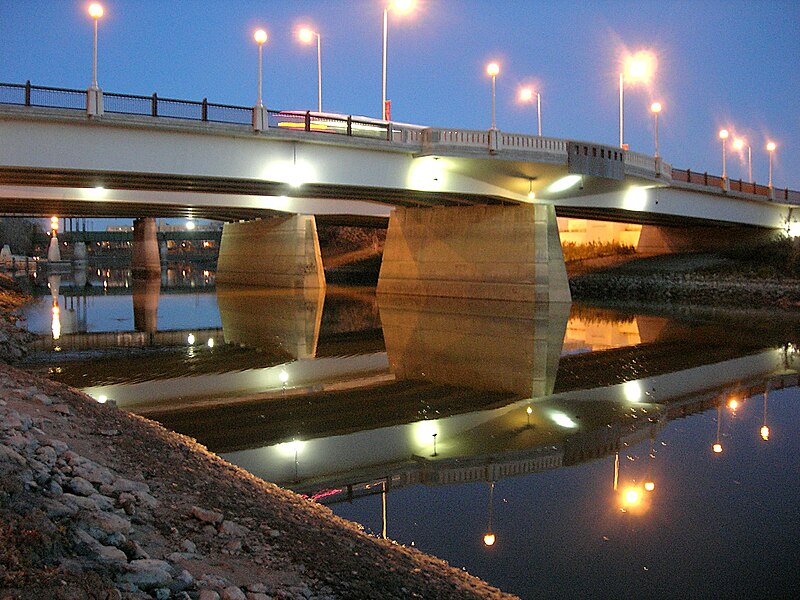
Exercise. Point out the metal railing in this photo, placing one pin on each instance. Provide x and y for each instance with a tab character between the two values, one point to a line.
154	106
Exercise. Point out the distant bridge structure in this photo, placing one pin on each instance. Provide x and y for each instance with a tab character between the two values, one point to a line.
496	195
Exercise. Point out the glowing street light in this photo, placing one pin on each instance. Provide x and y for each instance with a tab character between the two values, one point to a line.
723	135
489	537
771	149
764	428
400	7
639	67
307	36
260	36
95	11
526	95
739	144
492	69
528	412
717	447
655	108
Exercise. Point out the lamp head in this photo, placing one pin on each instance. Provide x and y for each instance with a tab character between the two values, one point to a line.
493	69
723	134
771	147
95	10
655	107
306	35
260	36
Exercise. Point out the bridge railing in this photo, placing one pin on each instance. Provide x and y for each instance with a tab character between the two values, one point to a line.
736	185
46	97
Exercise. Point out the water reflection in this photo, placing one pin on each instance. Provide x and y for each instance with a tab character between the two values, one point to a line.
345	397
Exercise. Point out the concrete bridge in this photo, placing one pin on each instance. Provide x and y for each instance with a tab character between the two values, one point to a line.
496	194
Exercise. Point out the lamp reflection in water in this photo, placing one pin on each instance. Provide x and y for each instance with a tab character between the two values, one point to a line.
528	411
764	429
649	484
489	537
717	447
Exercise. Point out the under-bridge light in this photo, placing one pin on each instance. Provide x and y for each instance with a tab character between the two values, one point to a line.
563	184
793	229
190	225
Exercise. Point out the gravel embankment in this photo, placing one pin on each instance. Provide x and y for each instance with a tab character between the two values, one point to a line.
97	503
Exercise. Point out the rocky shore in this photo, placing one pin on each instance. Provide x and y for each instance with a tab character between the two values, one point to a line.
98	503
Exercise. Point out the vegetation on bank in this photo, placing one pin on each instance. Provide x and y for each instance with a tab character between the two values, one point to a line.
778	259
574	252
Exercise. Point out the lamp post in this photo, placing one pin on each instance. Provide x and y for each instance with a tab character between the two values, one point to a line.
655	108
739	144
723	135
401	7
526	95
639	67
306	36
94	96
493	69
771	149
95	11
259	121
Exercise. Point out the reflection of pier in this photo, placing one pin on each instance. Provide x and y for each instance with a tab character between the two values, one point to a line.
129	339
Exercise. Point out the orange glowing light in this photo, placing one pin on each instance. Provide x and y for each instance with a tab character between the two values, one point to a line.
717	448
765	433
655	107
489	539
631	497
649	486
525	95
723	134
95	10
641	66
306	35
738	143
771	147
54	223
260	36
402	6
733	404
493	69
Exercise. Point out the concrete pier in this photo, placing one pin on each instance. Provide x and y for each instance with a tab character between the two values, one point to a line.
282	252
145	261
479	252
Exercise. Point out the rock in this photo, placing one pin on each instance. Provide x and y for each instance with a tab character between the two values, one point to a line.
103	503
82	502
148	574
175	557
94	473
259	588
109	432
62	409
206	516
188	546
145	499
111	554
47	455
208	595
162	593
257	596
44	399
233	593
80	487
234	546
274	533
126	485
110	522
233	529
11	456
182	581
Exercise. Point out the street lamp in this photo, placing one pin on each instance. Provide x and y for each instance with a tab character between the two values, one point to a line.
723	135
95	11
526	95
739	144
259	120
400	7
306	36
493	69
771	149
639	67
655	108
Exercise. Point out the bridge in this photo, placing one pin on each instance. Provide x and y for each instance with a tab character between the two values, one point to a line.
496	195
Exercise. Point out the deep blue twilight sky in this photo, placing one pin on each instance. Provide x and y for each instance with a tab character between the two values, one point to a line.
721	63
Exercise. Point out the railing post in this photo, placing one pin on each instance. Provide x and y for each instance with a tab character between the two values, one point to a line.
28	93
204	110
350	125
154	105
308	121
389	132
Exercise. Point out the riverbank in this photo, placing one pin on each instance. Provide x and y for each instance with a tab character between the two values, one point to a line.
707	280
98	503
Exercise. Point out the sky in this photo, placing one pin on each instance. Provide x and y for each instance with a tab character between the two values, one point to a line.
733	64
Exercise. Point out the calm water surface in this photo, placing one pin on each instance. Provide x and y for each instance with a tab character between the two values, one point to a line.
600	453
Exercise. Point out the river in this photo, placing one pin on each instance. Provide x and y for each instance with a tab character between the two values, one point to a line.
554	451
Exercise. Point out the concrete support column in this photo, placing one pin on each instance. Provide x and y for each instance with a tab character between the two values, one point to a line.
79	252
481	252
162	250
145	261
54	250
282	252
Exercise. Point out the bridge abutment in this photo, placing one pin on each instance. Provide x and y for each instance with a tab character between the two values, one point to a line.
282	252
145	261
478	252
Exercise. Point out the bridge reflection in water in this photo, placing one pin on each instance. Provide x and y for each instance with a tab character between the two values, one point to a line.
344	395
